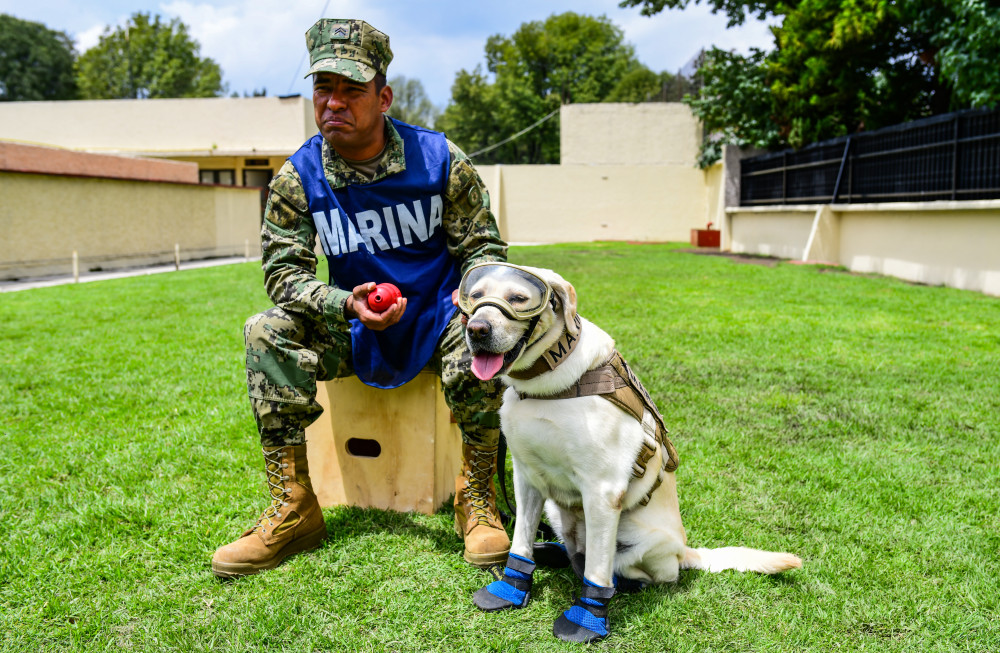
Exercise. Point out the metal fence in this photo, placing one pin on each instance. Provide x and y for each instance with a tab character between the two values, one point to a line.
950	157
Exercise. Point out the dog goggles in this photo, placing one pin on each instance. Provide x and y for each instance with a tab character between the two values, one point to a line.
520	294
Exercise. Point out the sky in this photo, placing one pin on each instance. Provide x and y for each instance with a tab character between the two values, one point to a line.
261	43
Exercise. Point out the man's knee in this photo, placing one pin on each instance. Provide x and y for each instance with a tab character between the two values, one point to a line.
280	367
263	329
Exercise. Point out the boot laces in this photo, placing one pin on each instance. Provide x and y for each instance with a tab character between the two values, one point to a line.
477	487
275	487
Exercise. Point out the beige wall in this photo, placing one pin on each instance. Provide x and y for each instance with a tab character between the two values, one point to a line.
116	223
648	133
628	173
951	245
937	243
769	231
551	204
715	196
173	127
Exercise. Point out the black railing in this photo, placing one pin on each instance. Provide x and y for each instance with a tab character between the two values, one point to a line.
949	157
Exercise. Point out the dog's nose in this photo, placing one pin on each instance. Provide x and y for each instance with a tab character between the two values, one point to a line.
478	329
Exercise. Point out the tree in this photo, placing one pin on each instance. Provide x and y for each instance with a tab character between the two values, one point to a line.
147	58
473	118
643	85
734	104
736	10
965	47
36	63
410	102
566	58
840	66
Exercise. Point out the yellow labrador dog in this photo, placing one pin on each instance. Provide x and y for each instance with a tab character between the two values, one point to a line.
587	441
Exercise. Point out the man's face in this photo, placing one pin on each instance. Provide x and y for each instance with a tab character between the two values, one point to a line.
349	114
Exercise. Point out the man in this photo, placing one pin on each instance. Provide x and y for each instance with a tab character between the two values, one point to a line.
389	202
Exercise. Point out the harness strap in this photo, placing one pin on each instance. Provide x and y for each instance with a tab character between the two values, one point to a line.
614	380
671	461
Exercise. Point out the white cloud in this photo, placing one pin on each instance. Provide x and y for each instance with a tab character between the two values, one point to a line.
88	38
258	43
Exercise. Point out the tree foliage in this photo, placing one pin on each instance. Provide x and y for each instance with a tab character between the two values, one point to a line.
566	58
734	103
841	66
737	11
965	44
643	85
36	63
147	58
410	102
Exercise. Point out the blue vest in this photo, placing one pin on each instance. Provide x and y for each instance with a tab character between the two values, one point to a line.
389	230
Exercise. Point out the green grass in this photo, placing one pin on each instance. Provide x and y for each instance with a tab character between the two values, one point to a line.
851	420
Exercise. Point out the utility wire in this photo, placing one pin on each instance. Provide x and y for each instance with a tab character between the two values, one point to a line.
295	76
517	135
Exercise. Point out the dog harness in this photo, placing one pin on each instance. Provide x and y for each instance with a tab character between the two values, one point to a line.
614	380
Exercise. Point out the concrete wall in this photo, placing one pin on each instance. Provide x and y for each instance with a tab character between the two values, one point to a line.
202	127
628	173
649	133
114	223
552	204
937	243
114	212
769	231
955	244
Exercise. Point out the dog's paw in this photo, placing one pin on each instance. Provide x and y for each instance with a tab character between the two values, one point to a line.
511	591
587	619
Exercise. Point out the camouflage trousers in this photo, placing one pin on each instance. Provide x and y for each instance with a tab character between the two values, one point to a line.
288	353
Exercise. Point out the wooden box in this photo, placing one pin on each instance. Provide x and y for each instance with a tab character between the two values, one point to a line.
394	449
705	237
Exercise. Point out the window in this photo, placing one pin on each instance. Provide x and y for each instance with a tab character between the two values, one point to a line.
224	177
259	178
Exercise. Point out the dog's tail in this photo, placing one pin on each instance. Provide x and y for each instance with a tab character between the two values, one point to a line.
740	559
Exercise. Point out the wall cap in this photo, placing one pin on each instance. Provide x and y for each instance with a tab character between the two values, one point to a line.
883	207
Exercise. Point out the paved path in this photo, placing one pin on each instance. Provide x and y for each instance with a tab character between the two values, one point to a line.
43	282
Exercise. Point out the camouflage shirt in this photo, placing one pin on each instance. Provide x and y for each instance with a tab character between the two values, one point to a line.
288	235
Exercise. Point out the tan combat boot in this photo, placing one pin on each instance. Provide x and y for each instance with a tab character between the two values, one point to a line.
476	517
293	523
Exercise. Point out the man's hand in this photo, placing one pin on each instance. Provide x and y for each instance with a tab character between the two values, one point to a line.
357	307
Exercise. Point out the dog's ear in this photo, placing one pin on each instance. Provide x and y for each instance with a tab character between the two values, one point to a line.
566	297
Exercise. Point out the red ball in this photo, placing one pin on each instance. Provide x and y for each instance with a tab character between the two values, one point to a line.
384	296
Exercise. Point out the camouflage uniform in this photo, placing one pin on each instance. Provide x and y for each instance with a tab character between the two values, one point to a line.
305	337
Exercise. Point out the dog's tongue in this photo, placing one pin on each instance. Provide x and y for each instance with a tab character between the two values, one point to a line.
486	365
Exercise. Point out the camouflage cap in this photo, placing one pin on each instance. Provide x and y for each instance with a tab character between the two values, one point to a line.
347	47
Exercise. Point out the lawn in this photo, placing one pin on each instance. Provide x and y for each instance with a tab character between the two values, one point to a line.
851	420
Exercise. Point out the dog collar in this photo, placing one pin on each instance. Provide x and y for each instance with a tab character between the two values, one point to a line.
551	358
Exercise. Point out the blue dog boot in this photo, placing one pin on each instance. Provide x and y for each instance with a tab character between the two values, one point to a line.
511	591
587	620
